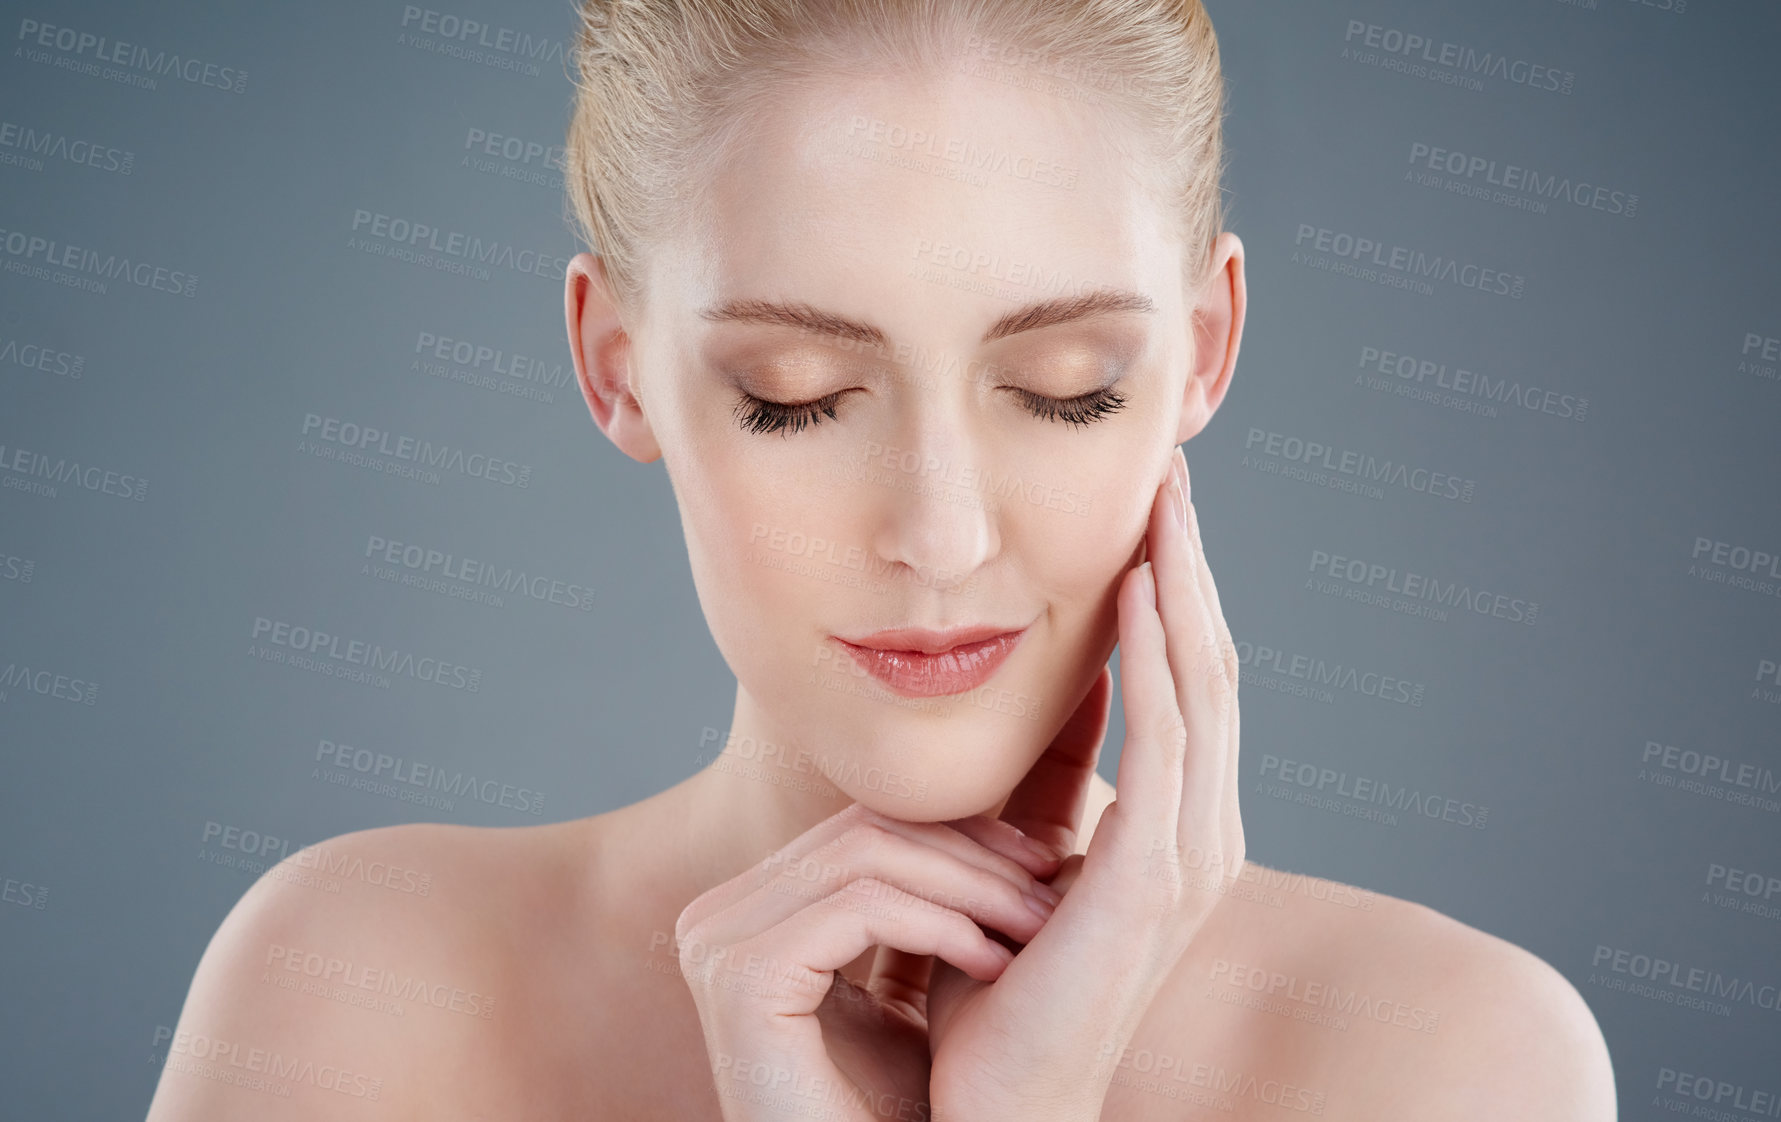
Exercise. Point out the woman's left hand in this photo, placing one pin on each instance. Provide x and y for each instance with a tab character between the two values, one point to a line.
1042	1041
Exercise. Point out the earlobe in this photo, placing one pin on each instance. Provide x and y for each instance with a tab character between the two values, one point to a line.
601	352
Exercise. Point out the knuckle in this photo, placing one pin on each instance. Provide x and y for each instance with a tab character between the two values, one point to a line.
860	813
691	946
687	922
1168	733
867	837
864	888
1217	670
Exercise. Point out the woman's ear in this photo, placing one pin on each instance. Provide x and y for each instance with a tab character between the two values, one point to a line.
1217	321
601	352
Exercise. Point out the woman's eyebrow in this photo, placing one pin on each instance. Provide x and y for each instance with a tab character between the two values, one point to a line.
1041	313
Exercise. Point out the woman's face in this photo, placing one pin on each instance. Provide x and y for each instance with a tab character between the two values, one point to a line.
879	248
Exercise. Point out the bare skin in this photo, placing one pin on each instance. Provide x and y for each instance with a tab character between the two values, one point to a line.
556	957
591	1018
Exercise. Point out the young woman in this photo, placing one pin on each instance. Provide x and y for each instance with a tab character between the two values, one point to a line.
916	302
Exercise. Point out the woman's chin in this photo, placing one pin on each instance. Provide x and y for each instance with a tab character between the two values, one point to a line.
937	795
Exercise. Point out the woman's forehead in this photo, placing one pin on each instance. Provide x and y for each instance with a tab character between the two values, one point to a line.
959	187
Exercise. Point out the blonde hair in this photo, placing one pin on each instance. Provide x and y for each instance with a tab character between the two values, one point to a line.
665	86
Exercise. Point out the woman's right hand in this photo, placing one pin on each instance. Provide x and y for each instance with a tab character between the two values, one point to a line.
787	1035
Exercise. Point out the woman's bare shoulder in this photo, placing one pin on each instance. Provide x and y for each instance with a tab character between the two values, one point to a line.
372	957
1438	1015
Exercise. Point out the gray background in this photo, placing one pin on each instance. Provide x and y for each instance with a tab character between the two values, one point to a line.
136	722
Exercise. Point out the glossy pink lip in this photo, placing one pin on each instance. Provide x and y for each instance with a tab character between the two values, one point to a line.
915	662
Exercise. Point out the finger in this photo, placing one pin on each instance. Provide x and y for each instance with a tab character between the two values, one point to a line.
976	841
796	959
1068	872
721	896
1196	659
1149	777
1047	803
1004	838
900	978
871	852
1218	628
999	856
1219	802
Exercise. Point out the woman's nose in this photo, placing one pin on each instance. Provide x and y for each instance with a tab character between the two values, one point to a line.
932	509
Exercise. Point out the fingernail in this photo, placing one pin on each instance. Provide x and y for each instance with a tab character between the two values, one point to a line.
1178	487
1047	893
1041	849
1148	580
1039	907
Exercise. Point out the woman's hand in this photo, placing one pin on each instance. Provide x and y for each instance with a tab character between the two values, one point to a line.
787	1035
1042	1041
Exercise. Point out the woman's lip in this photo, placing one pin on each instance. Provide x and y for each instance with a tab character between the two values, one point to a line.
912	673
923	641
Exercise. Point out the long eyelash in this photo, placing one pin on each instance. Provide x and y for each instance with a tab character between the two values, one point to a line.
758	416
1084	410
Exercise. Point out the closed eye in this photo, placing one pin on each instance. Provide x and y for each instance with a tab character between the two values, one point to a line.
1084	409
758	415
